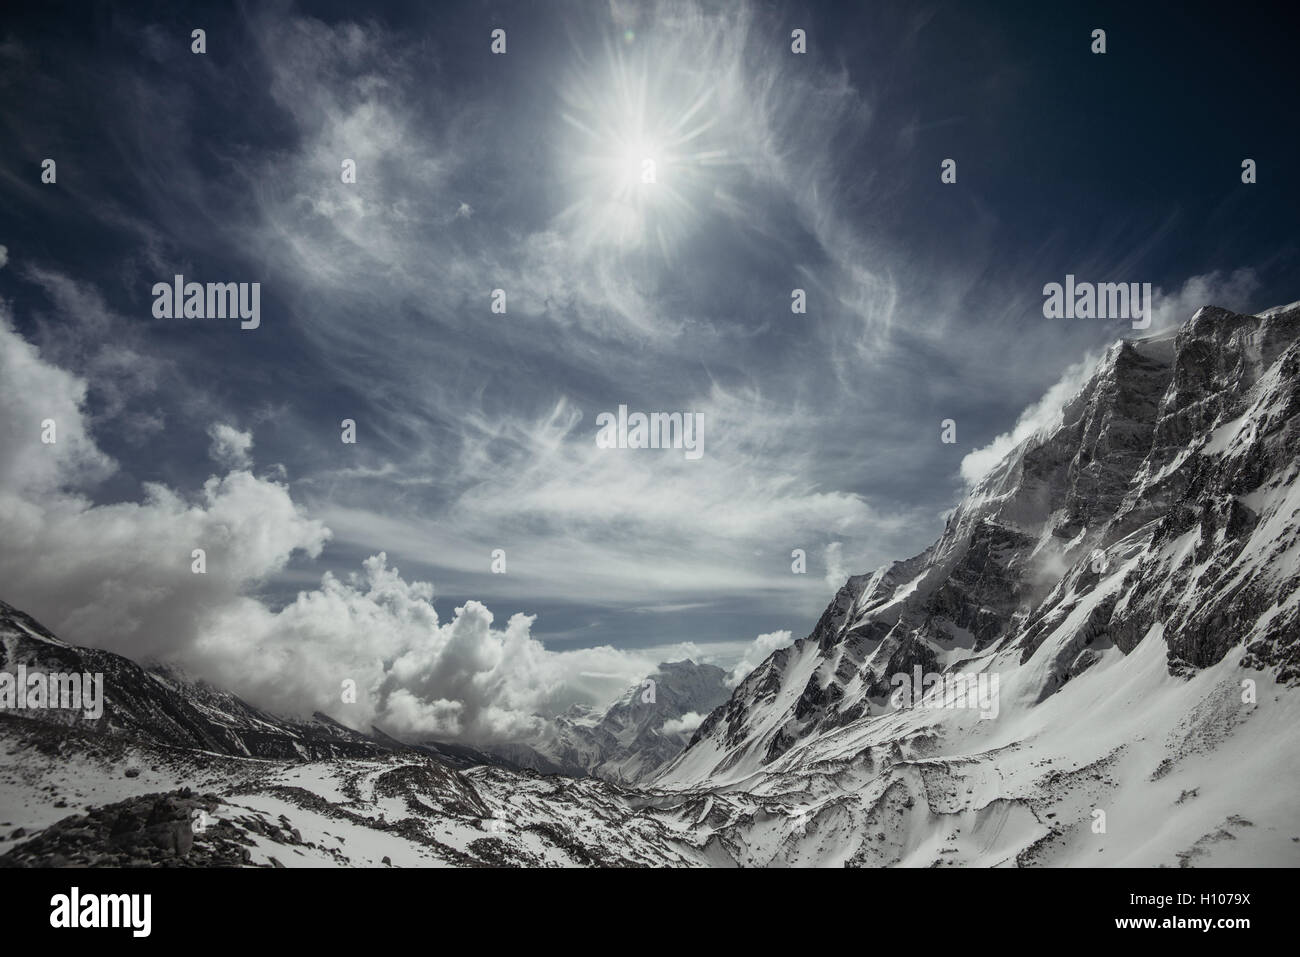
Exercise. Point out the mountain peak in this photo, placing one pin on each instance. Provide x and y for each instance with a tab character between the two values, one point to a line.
1163	500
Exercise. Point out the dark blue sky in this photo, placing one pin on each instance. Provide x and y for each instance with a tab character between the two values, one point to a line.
476	172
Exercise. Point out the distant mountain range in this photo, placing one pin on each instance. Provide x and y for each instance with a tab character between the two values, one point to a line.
646	727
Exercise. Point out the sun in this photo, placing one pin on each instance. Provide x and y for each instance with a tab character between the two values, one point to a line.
640	165
640	146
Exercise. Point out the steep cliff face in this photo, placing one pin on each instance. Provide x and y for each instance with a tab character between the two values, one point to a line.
1166	498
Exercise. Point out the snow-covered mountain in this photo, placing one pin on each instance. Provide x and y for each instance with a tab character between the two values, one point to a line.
1164	503
163	706
175	767
1130	579
1119	596
625	742
649	724
72	797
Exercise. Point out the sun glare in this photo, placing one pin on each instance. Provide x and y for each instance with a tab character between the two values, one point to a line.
639	150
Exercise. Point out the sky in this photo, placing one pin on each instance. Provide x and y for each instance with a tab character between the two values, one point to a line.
525	171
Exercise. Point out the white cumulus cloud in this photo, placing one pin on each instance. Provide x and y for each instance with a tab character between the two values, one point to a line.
230	447
685	725
120	576
756	653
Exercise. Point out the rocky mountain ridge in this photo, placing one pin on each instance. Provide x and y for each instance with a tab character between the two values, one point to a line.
1166	497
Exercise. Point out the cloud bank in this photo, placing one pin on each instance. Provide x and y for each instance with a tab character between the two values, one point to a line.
123	576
